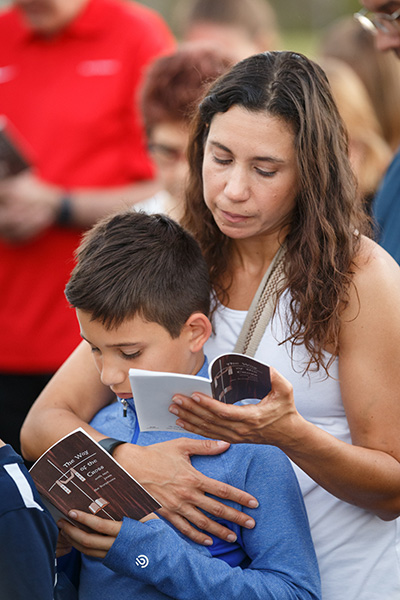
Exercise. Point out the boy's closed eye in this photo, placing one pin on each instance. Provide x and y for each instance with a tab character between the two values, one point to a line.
130	356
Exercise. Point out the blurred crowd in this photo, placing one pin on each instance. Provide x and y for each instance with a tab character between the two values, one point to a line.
98	96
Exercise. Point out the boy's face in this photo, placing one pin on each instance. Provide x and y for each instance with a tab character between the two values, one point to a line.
137	344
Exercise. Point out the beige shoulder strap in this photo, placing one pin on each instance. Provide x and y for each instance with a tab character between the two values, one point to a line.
262	306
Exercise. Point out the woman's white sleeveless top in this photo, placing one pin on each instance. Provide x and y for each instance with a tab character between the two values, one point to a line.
358	553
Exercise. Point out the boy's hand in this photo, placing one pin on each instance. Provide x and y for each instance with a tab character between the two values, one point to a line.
95	544
165	471
63	545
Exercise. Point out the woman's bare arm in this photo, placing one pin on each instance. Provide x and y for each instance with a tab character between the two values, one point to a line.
366	473
75	395
70	400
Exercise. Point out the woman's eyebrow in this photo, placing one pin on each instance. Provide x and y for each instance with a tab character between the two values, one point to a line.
271	159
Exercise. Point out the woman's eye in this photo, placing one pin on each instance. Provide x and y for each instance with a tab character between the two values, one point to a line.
221	161
265	173
94	350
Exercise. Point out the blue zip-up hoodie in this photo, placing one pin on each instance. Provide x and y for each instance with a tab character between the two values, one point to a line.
152	560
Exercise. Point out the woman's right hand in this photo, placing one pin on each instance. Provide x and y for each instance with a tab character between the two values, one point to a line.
165	471
274	420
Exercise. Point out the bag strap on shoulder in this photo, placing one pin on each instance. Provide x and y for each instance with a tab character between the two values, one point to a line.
262	307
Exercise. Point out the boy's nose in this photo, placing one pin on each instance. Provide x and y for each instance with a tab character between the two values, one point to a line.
111	375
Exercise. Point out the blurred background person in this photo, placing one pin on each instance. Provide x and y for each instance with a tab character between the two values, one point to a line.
369	152
28	534
172	88
69	76
382	20
241	27
347	40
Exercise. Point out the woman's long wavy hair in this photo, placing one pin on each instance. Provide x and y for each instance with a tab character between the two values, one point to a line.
327	220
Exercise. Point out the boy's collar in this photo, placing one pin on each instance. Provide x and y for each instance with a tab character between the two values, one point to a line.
204	369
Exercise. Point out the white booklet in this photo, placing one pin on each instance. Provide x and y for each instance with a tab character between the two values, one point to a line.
232	377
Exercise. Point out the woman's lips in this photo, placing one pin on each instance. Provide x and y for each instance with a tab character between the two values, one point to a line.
233	217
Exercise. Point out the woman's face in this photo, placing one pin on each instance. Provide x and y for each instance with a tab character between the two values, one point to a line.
250	173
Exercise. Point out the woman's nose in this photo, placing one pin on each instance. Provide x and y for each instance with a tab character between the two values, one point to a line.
237	187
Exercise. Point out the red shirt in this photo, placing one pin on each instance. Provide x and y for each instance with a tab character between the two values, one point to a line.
72	97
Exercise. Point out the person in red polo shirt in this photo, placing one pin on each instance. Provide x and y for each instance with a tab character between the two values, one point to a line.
69	75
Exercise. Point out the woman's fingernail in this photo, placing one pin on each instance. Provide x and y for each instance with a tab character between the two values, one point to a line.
195	398
231	538
177	400
72	514
180	423
253	504
249	524
173	410
208	542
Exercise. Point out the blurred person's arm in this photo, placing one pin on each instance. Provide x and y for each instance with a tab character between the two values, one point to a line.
28	205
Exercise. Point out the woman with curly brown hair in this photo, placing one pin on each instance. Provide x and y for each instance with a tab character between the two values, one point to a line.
270	176
272	201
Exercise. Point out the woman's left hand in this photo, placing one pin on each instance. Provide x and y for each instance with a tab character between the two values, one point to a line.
268	422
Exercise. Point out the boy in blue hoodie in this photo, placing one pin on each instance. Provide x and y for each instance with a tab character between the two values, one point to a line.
141	293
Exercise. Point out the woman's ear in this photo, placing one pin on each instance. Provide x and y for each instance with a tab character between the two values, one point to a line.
198	327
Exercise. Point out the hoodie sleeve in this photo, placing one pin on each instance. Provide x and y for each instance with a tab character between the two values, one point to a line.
28	535
281	562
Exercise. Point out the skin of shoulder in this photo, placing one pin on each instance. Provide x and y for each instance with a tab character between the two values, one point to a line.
369	350
373	266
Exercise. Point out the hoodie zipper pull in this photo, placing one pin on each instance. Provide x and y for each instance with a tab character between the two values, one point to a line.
124	407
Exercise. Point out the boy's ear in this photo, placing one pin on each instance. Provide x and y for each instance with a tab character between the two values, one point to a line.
199	329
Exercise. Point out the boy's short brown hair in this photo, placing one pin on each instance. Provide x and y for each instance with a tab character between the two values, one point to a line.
133	263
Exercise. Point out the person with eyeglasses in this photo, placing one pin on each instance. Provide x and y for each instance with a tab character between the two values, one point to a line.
383	19
380	18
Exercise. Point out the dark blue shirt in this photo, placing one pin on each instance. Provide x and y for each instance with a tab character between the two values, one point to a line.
386	210
28	534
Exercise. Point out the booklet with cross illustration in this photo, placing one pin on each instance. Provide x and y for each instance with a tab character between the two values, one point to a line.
232	377
76	472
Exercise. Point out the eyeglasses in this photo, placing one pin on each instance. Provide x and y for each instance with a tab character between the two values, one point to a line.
383	22
167	154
